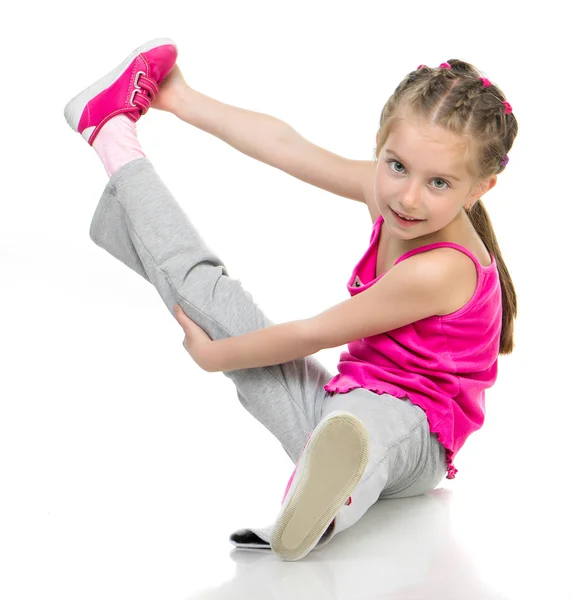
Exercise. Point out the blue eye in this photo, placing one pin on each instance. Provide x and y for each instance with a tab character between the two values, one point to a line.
439	179
396	162
398	167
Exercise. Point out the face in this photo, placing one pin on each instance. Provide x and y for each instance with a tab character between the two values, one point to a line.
421	173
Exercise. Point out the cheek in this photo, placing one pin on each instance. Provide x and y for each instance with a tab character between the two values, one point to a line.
384	185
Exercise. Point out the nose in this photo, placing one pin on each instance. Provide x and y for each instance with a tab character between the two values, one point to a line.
411	196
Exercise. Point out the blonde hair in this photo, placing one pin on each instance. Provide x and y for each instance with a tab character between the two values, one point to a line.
457	100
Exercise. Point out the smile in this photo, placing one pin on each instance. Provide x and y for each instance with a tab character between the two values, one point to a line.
404	220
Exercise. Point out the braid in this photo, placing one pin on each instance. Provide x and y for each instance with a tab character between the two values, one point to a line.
459	105
436	85
463	68
413	80
456	96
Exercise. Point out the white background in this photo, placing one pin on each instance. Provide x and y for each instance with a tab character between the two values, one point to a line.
123	466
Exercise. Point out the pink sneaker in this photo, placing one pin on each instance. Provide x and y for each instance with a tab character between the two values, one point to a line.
330	467
129	88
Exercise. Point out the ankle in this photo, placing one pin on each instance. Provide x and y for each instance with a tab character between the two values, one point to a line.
116	144
172	98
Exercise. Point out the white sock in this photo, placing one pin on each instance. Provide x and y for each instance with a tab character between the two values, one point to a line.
116	143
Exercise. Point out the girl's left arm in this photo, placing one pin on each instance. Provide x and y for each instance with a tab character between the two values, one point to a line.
416	288
269	346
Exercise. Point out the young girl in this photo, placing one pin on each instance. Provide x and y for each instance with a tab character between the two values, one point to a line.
432	303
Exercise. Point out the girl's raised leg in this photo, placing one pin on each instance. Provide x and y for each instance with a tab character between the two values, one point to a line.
139	222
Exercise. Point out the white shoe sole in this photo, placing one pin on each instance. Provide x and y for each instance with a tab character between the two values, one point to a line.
331	468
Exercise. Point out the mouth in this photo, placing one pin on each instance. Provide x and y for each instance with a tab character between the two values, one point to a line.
405	220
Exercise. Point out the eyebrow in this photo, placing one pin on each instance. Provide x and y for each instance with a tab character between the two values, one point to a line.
442	175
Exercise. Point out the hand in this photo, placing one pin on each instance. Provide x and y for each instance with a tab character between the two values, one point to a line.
196	341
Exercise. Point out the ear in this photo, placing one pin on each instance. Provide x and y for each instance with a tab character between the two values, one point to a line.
480	190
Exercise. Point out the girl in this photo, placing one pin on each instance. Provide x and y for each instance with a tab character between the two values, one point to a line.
432	303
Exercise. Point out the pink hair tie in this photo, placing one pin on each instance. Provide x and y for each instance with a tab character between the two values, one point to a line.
504	161
485	81
445	65
421	66
507	108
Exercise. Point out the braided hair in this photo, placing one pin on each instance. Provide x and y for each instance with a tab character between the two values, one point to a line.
461	100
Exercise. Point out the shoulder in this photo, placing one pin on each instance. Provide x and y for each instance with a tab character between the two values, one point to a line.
443	260
449	273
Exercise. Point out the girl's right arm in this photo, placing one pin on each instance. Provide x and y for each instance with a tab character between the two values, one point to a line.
274	142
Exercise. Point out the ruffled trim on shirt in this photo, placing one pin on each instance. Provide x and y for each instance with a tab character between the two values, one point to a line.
338	389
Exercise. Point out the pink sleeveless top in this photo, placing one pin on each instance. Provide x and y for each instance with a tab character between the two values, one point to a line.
443	364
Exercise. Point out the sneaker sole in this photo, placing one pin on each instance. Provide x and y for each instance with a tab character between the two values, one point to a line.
75	107
335	461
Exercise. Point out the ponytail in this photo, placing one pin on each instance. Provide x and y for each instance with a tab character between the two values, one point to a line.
481	222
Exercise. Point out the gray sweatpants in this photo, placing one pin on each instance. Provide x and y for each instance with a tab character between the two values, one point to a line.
139	222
